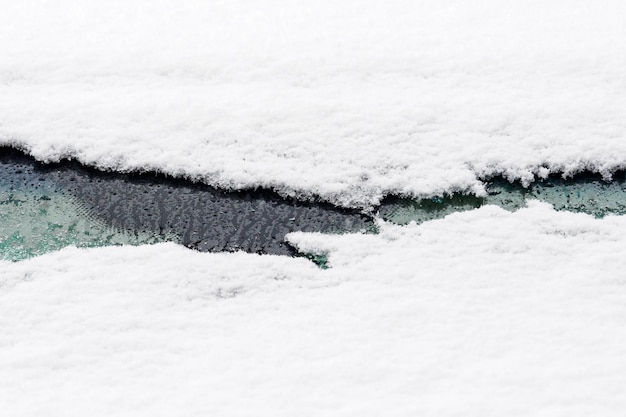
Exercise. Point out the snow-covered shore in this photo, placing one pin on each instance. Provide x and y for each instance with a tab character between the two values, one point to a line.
481	313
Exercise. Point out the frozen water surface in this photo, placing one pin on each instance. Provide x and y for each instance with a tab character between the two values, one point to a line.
37	215
45	208
585	193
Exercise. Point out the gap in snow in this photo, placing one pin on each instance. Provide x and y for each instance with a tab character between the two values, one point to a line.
45	207
585	193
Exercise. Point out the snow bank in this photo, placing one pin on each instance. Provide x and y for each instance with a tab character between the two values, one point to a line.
346	100
481	313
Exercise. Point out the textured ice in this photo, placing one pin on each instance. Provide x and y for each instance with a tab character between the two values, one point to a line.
47	207
346	100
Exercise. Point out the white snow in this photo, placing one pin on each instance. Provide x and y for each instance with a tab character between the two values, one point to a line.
481	313
453	317
348	100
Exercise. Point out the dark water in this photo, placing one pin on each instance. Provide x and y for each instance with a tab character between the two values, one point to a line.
46	207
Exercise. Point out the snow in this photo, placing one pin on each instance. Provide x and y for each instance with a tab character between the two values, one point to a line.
344	100
481	313
451	317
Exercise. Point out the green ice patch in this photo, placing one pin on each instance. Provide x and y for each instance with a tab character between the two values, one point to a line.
36	219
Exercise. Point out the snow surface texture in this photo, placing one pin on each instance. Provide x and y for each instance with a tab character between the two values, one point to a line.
347	100
481	313
454	317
